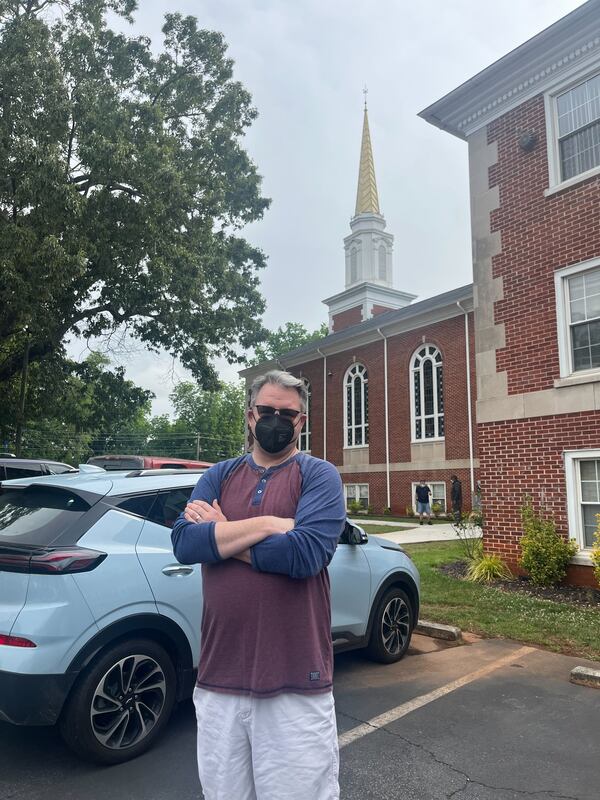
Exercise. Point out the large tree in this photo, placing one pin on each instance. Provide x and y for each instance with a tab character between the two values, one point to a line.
287	337
123	185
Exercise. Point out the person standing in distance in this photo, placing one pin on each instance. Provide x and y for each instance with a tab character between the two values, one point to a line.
423	505
456	497
265	526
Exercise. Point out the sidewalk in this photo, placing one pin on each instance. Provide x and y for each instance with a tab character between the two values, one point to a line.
408	533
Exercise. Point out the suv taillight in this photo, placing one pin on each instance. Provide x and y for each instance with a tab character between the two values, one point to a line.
54	561
16	641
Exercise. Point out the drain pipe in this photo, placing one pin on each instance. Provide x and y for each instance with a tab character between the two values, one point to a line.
387	419
324	357
469	410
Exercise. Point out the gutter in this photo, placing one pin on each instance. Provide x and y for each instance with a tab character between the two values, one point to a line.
469	409
387	418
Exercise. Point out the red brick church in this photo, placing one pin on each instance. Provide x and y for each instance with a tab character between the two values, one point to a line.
498	381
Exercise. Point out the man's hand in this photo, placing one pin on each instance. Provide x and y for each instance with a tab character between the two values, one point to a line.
200	511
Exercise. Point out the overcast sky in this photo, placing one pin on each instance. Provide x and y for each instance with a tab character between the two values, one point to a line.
305	63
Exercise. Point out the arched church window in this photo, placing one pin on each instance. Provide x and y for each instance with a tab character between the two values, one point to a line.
304	440
382	263
356	401
353	265
427	393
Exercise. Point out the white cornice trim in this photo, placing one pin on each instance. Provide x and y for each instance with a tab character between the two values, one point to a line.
569	46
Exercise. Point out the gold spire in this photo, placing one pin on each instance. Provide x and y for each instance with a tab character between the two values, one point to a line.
367	201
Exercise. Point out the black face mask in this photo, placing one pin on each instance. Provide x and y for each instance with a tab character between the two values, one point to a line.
274	433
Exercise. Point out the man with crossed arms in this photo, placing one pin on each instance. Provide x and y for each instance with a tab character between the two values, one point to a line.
265	526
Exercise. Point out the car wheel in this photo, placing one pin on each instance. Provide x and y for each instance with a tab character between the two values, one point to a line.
121	704
392	627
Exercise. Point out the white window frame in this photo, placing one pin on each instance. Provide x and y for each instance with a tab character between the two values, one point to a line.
364	426
572	459
356	491
435	496
413	414
556	184
563	321
304	440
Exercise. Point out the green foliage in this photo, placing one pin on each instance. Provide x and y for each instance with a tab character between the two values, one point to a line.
436	508
410	512
488	568
288	337
354	507
123	187
370	509
596	550
78	408
545	555
469	536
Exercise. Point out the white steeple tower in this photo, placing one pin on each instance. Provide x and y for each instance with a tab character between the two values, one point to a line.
369	274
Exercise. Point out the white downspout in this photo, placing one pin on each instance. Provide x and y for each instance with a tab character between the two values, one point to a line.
469	411
387	419
324	357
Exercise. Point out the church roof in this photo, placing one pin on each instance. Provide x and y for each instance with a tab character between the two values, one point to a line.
367	200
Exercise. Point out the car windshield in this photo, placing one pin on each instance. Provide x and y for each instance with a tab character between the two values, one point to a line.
37	515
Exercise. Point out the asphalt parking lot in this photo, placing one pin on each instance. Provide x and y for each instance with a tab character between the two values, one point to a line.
488	720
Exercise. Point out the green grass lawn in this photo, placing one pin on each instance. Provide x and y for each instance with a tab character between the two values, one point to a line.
381	517
492	612
374	528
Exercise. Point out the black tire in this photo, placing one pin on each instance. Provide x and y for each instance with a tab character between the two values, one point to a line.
392	627
121	703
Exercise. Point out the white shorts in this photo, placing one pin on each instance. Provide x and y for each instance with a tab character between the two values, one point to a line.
267	748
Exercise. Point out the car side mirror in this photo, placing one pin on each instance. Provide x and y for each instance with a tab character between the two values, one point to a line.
353	534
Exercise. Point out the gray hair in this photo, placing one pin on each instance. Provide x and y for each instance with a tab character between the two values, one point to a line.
279	378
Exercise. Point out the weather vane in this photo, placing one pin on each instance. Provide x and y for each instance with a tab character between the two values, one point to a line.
365	92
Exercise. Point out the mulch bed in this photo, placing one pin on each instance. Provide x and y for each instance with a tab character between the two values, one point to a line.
583	596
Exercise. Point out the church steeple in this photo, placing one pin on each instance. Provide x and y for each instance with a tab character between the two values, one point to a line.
369	289
367	201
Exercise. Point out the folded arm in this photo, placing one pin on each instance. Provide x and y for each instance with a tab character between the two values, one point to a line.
320	516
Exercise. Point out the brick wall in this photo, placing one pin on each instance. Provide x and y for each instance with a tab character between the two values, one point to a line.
347	318
539	234
525	457
449	337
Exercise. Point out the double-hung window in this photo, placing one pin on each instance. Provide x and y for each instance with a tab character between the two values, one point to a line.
357	493
573	121
578	316
582	469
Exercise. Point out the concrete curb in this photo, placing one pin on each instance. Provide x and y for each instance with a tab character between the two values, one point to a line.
584	676
447	632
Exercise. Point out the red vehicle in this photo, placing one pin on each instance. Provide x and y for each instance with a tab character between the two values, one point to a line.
115	462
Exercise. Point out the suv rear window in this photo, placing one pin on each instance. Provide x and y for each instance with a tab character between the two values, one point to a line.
38	515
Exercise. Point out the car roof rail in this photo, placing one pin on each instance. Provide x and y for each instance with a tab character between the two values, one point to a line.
143	473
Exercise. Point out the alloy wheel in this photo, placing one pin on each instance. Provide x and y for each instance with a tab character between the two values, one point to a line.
395	625
128	702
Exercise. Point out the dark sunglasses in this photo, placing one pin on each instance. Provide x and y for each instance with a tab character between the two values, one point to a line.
289	413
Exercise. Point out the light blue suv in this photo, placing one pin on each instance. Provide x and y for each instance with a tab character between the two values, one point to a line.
99	624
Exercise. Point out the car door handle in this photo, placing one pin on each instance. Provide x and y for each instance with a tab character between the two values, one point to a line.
177	569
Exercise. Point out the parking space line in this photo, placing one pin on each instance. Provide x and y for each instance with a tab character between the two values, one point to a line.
394	714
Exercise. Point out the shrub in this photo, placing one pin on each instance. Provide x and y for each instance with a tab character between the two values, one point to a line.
436	508
410	512
469	536
370	509
476	517
596	550
488	568
544	553
387	511
354	507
